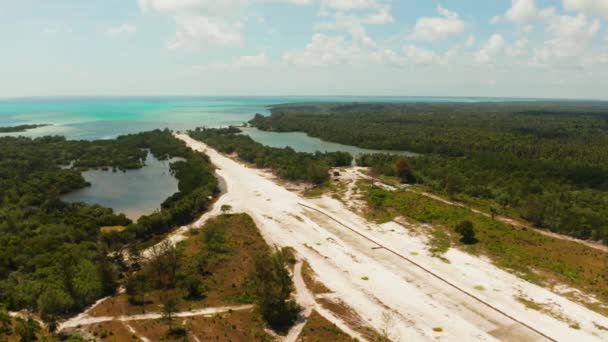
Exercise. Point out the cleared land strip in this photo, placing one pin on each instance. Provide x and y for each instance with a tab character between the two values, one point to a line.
431	273
375	284
201	312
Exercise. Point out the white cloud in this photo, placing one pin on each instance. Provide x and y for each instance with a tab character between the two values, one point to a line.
351	24
323	51
519	49
253	61
239	63
437	28
490	50
570	39
525	11
470	41
589	7
522	11
122	30
380	17
199	31
201	23
336	51
423	56
570	43
221	8
295	2
348	5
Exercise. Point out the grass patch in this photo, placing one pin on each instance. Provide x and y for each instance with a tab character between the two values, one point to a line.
231	326
479	288
365	278
547	310
352	319
394	181
318	328
439	242
322	189
111	331
438	329
601	327
530	255
111	229
310	279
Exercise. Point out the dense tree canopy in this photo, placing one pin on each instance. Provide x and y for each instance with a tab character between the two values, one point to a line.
20	128
286	162
546	161
53	258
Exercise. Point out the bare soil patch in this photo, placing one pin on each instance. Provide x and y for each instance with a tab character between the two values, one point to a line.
318	329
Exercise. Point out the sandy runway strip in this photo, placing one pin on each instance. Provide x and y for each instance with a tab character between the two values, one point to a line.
388	292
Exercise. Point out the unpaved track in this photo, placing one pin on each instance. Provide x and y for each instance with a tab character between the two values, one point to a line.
388	292
88	320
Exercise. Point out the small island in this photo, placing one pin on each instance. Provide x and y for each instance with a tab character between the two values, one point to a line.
20	128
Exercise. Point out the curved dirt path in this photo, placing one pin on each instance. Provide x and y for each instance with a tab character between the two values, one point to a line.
387	292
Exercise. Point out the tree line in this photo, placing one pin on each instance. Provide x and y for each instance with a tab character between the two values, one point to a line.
285	162
20	128
546	161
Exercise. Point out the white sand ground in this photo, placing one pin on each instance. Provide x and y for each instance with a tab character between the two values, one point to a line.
386	290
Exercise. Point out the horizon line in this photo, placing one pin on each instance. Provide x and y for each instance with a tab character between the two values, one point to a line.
565	99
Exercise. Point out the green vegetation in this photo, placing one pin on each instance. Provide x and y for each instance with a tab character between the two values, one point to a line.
467	232
548	310
274	287
527	253
229	263
286	162
53	255
20	128
546	162
16	329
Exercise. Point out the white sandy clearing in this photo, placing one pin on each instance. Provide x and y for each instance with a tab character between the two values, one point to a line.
378	284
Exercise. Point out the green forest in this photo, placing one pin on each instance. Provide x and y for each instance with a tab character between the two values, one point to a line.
20	128
53	258
545	161
286	162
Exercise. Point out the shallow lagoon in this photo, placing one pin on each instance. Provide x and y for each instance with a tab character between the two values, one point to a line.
134	193
301	142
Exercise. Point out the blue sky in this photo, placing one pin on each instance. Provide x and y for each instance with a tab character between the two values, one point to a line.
514	48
